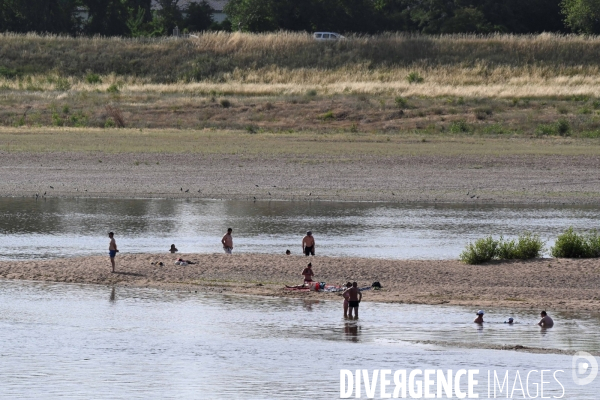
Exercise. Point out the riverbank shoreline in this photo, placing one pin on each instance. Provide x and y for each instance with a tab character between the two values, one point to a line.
551	284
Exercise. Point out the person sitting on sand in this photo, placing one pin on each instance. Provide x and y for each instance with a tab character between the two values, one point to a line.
308	244
227	241
479	319
346	295
173	249
546	321
354	299
307	273
112	249
287	252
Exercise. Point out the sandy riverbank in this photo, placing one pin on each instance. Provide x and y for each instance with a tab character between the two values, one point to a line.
541	284
527	179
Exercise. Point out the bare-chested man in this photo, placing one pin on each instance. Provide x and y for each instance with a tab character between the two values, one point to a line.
354	299
227	241
308	244
546	321
112	249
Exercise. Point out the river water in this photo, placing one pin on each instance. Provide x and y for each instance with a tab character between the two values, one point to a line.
84	341
78	227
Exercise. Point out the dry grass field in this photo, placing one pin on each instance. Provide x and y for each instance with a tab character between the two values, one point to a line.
499	85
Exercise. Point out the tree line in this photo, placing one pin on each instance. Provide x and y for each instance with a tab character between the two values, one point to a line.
138	18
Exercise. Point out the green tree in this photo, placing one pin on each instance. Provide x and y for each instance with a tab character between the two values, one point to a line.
582	15
51	16
198	16
252	15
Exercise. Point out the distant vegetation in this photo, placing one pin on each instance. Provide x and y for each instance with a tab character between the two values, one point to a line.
569	244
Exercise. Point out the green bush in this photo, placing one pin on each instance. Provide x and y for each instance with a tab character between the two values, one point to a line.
93	78
459	126
414	77
483	250
525	247
113	89
573	245
401	102
563	127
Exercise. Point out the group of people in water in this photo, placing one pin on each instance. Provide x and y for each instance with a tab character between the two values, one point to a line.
352	294
545	322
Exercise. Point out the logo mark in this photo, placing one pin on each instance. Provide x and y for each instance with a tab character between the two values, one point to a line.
584	363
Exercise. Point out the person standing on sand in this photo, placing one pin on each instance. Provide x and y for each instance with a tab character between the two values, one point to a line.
227	241
112	249
346	295
308	244
546	321
479	319
354	299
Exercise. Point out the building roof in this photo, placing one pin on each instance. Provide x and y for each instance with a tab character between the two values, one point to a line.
216	5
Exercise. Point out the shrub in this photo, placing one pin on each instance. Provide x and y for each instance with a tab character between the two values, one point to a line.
311	93
544	130
401	102
251	129
525	247
113	89
57	120
65	109
109	123
573	245
459	126
225	103
529	246
8	73
563	127
93	78
414	77
483	250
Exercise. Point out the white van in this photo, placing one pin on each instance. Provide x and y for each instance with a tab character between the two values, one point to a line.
327	36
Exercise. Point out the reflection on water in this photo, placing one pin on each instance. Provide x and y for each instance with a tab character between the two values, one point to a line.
86	342
74	227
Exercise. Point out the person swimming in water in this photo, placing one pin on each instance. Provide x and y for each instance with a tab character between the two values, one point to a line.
479	318
173	249
546	321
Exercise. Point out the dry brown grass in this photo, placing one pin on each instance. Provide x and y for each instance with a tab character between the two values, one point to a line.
292	63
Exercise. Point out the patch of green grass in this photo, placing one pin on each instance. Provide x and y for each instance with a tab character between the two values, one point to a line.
327	116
